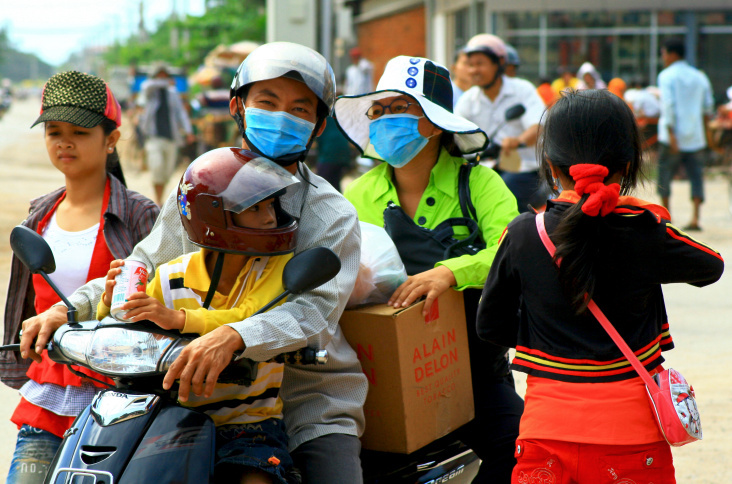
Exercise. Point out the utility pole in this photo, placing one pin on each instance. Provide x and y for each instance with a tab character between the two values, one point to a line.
326	29
142	33
174	37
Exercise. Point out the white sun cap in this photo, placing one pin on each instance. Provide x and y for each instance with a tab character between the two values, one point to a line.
429	84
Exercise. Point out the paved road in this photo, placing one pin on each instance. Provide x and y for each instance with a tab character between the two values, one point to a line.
699	317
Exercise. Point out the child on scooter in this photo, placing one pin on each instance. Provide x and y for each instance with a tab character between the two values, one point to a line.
229	205
583	397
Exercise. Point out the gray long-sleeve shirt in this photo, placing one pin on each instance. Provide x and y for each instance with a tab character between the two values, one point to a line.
318	400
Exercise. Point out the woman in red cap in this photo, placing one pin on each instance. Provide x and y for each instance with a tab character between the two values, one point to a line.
587	416
89	222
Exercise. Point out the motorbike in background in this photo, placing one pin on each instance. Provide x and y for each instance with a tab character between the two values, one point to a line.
6	99
490	156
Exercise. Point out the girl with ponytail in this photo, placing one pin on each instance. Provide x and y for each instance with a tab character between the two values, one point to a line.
112	165
583	398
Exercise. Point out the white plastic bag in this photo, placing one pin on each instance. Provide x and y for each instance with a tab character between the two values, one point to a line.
381	269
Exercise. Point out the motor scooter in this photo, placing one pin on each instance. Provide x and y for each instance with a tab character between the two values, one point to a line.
137	432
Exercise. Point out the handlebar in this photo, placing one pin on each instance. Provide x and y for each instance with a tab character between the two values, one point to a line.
244	370
492	152
304	356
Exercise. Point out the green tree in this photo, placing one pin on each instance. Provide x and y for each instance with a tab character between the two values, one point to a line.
185	42
4	44
18	66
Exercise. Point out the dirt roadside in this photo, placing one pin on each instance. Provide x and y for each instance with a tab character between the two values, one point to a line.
699	317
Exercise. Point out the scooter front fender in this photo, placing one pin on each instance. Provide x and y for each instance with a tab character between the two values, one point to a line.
164	443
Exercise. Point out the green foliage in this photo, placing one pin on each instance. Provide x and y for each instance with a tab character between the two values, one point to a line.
4	44
226	22
18	66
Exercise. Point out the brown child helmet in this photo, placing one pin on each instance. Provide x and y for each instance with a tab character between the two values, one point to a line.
224	181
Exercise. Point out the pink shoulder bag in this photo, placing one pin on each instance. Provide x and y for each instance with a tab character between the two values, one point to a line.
672	398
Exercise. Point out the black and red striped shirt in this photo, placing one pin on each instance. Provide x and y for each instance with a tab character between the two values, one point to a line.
524	305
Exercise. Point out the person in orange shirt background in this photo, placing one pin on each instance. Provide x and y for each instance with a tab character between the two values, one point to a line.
545	91
617	86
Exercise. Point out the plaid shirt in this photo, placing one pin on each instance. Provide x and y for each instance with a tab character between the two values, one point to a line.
128	219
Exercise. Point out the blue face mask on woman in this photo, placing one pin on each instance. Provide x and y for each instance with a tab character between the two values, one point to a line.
277	133
396	138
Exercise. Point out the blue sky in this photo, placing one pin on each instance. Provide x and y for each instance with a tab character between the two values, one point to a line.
54	29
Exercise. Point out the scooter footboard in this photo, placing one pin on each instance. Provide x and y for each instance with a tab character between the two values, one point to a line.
443	461
164	443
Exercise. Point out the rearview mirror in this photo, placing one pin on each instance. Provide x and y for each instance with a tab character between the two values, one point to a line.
32	250
515	112
37	256
310	269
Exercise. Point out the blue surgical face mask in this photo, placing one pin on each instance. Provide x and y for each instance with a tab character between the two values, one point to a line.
277	133
396	138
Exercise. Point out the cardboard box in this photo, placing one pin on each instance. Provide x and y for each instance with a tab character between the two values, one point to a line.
418	370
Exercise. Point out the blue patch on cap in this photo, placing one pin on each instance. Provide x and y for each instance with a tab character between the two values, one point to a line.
414	60
413	71
411	83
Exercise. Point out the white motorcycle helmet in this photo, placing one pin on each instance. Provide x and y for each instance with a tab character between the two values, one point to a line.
294	61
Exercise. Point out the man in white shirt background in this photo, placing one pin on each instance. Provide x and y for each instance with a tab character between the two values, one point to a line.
686	106
486	103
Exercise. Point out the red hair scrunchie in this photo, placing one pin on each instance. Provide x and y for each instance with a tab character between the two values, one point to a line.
589	179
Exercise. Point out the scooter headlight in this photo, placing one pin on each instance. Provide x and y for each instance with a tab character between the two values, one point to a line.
74	343
121	351
117	351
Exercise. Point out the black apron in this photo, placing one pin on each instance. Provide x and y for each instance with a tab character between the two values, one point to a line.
420	248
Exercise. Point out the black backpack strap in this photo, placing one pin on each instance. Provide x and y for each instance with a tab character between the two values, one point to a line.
445	232
466	204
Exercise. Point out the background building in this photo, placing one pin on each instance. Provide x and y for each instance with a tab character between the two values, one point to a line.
621	38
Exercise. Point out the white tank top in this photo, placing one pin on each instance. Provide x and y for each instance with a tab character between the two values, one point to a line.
72	252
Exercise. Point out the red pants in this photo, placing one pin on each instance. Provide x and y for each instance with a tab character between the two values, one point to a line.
557	462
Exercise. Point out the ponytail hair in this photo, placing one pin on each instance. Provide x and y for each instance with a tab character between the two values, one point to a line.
587	127
113	167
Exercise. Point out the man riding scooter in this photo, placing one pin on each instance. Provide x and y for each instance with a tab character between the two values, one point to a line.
280	98
486	104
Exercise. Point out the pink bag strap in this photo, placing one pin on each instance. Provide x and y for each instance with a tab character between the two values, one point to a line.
606	324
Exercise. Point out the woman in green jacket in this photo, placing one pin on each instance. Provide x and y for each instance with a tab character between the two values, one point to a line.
408	123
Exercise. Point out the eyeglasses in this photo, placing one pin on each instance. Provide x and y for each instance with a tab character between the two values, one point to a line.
397	106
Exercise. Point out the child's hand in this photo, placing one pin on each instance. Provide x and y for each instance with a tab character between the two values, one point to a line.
140	306
114	269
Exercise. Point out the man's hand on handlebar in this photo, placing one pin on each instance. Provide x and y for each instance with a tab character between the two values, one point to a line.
39	330
509	144
199	364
